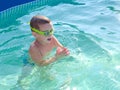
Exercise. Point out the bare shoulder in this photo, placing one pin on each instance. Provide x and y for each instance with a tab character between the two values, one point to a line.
34	52
56	42
54	38
32	48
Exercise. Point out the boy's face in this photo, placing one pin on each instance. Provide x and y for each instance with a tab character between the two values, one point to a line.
45	28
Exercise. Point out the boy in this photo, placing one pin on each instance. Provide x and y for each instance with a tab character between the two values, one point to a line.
42	30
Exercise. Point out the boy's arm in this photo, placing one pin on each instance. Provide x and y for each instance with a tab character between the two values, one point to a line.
57	43
61	50
37	58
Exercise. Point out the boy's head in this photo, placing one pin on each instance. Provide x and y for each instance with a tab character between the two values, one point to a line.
42	28
37	20
41	25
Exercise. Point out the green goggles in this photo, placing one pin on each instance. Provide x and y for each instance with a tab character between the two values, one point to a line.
45	33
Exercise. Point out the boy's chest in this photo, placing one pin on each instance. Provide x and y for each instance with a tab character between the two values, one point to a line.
45	50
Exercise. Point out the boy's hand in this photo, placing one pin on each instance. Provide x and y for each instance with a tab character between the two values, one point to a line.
62	52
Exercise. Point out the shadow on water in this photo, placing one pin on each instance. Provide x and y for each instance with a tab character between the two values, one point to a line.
113	9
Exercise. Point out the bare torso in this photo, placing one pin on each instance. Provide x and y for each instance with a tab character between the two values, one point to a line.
44	49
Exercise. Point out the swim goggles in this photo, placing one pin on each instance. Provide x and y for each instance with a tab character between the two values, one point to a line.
45	33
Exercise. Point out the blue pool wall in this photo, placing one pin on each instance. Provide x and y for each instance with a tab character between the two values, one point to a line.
5	4
8	16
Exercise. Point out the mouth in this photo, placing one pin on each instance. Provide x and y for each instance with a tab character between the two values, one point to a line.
49	39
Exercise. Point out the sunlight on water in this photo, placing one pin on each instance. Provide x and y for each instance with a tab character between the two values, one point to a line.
118	16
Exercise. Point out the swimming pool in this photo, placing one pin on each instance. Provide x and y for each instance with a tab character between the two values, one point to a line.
90	29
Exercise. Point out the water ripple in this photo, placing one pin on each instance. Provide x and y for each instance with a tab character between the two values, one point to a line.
13	38
80	38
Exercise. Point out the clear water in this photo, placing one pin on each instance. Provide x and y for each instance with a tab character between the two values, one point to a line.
90	29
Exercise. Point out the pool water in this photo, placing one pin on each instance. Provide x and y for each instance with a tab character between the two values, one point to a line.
90	29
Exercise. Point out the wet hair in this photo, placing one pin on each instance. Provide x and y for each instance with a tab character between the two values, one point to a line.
38	20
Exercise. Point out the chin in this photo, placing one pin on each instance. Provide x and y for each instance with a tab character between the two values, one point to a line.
47	42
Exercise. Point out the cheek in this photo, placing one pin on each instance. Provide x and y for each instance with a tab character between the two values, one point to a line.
43	37
40	37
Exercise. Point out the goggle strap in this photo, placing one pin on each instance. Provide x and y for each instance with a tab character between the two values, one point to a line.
33	29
